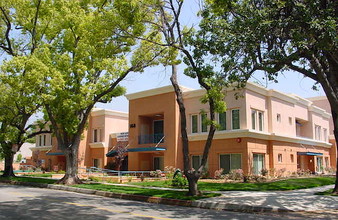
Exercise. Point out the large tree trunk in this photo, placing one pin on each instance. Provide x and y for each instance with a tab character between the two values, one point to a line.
71	176
189	173
335	131
193	178
8	172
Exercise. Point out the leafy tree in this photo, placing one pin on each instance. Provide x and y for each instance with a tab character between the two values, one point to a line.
244	36
86	58
168	33
21	73
19	158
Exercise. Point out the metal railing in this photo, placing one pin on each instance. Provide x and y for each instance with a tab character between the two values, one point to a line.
107	172
150	138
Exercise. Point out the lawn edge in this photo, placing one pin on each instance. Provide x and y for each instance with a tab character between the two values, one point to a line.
153	199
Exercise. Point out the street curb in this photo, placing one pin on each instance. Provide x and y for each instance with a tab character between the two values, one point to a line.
157	200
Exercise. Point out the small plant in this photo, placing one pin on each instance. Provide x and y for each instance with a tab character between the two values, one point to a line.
264	172
329	170
236	174
179	180
169	171
280	172
142	177
94	178
219	174
130	178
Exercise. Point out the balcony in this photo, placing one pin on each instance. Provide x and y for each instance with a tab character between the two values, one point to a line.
151	138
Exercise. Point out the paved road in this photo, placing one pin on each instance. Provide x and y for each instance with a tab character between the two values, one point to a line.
19	202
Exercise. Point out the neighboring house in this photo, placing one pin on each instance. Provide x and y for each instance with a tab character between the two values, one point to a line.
323	102
263	129
95	144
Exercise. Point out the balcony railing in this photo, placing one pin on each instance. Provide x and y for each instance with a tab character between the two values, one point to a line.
151	139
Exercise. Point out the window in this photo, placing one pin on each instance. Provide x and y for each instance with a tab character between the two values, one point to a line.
258	163
96	163
317	132
260	121
96	135
257	118
253	119
290	120
327	162
204	126
194	122
230	162
280	158
158	163
324	134
196	161
235	119
40	140
222	120
291	158
279	117
44	140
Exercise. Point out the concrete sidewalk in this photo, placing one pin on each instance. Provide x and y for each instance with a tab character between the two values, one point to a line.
296	200
279	201
245	201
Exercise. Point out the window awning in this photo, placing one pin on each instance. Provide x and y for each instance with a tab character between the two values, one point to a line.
139	149
55	154
310	153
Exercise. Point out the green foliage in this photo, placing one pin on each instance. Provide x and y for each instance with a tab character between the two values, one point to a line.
269	35
19	158
282	185
178	180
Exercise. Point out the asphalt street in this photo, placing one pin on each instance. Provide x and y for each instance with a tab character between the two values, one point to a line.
19	202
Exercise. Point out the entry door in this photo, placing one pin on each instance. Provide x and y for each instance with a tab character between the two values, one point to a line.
158	131
258	163
158	163
319	164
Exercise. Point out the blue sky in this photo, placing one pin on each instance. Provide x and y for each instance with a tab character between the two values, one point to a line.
289	82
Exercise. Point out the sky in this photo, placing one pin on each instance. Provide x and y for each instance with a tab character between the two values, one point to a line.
289	82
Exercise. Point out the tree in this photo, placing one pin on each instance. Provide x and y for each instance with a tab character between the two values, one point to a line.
22	29
172	36
17	104
86	58
274	36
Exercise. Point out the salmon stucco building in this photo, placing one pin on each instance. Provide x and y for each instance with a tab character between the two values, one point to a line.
264	129
97	141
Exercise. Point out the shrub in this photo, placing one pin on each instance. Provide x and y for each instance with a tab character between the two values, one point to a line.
264	172
179	180
94	178
169	171
219	173
235	174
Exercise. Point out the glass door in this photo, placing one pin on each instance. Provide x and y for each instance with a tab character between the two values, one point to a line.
258	163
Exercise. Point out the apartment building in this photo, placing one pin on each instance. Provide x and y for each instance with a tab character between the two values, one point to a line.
97	141
262	129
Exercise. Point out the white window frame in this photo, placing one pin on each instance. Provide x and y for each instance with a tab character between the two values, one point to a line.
318	129
256	123
325	136
239	119
219	160
280	158
201	122
98	135
279	117
219	121
191	123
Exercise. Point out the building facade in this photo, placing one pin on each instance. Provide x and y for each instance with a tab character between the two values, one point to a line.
96	141
262	129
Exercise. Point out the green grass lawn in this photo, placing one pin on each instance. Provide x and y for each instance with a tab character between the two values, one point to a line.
326	193
169	194
120	189
29	179
282	185
39	175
